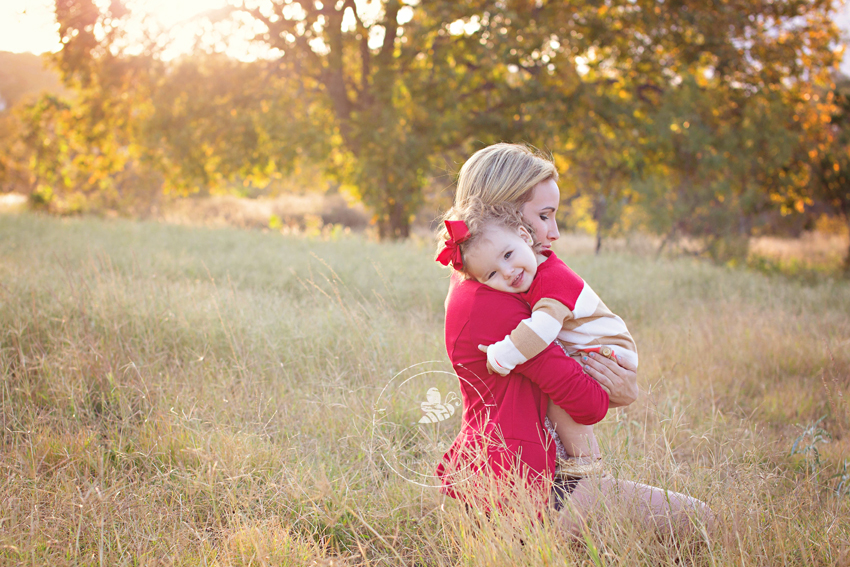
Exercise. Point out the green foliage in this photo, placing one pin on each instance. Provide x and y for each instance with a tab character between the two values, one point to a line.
85	149
842	487
23	76
14	154
215	121
807	445
693	114
831	172
405	85
688	120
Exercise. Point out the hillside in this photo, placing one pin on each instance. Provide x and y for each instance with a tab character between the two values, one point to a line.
23	74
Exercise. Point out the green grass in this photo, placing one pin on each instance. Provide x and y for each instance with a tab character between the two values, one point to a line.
187	396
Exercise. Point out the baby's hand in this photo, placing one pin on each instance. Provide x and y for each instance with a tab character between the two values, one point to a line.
492	365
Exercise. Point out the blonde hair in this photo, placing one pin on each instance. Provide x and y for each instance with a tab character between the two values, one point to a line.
478	217
503	173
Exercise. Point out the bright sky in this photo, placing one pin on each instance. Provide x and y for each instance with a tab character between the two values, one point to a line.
28	25
842	19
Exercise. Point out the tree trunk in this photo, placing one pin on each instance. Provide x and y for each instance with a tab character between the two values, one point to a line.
395	224
667	240
600	210
846	269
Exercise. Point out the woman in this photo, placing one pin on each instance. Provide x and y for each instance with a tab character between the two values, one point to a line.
503	440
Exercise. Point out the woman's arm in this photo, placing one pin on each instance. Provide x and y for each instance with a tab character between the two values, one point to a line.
562	379
491	315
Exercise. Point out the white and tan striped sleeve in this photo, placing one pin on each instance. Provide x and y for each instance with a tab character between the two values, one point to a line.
530	337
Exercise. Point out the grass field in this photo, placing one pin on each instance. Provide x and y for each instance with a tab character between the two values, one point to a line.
187	396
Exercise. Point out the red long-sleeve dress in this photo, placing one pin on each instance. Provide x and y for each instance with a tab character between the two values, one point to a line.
502	432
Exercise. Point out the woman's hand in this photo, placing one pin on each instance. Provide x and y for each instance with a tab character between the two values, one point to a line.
618	378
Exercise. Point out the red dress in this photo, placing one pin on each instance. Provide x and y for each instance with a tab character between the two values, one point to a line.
502	429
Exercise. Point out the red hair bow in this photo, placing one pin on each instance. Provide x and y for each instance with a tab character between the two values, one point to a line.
458	232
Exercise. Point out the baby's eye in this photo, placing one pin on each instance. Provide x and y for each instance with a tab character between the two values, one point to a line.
508	254
490	275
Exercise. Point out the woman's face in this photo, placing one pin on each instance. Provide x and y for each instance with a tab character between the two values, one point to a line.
539	212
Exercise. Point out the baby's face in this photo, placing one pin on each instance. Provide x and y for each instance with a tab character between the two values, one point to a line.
503	259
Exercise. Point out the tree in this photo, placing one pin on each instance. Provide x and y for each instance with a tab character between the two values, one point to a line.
23	77
715	87
405	82
378	91
720	159
86	145
216	121
690	101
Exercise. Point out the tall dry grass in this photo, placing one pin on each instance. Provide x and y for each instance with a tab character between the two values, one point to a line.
287	213
814	253
188	396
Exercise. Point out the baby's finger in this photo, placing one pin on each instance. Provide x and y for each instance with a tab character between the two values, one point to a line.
482	348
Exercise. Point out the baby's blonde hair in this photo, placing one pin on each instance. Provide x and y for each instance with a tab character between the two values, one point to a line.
478	217
503	173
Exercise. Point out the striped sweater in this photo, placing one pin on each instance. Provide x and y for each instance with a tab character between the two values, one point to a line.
566	308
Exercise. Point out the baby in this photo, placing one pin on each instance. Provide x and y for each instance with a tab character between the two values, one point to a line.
491	244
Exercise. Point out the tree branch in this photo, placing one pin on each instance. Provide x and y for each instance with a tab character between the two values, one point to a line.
365	54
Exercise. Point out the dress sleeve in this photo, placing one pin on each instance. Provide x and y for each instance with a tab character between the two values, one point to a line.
563	380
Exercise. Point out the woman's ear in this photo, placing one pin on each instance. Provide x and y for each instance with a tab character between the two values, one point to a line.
526	236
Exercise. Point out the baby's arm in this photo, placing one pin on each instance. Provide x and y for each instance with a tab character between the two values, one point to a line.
530	338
